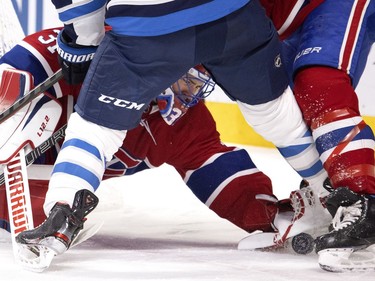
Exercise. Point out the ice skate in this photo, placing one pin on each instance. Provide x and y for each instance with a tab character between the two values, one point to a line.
295	228
55	235
350	245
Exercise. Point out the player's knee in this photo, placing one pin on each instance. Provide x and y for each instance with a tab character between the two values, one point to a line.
320	90
106	140
279	121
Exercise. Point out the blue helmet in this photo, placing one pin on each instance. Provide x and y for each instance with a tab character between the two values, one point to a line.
193	86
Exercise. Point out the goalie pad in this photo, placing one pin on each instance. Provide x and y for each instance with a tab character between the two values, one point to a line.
296	228
31	125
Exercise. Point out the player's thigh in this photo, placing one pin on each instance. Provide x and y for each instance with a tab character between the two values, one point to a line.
336	34
250	68
126	74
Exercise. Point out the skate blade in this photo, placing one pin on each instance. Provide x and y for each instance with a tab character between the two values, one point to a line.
347	260
34	258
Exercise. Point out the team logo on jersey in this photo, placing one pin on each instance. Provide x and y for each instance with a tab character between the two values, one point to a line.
120	102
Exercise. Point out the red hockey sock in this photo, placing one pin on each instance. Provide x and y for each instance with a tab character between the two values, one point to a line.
319	90
330	107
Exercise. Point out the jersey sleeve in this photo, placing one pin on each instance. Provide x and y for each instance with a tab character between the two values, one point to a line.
37	54
83	20
287	16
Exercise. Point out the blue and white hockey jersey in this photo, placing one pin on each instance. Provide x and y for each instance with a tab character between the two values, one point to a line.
84	19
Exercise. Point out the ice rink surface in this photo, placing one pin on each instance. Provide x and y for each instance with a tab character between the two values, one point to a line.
155	229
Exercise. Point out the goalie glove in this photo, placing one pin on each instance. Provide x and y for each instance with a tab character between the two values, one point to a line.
14	85
74	59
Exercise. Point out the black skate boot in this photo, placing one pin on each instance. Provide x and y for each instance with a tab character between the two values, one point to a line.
352	230
61	227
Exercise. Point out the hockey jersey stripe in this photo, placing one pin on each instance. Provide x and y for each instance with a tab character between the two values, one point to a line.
198	178
36	63
226	182
168	18
77	10
38	56
128	160
287	16
291	17
152	10
82	17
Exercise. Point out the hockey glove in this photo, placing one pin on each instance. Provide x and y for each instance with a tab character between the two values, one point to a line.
74	59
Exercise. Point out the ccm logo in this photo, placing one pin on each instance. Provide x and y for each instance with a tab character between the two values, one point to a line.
120	102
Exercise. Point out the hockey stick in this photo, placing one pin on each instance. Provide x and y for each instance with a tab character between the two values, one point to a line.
18	192
38	151
42	87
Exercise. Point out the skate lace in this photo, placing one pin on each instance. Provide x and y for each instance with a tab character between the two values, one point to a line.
345	216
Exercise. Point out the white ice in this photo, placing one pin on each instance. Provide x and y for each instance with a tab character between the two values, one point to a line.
155	229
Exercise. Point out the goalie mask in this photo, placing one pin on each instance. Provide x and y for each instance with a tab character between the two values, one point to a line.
193	86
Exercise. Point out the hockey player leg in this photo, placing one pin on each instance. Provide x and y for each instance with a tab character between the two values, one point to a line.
54	236
344	141
349	159
86	148
280	122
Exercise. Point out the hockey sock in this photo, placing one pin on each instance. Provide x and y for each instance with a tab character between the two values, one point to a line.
344	141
